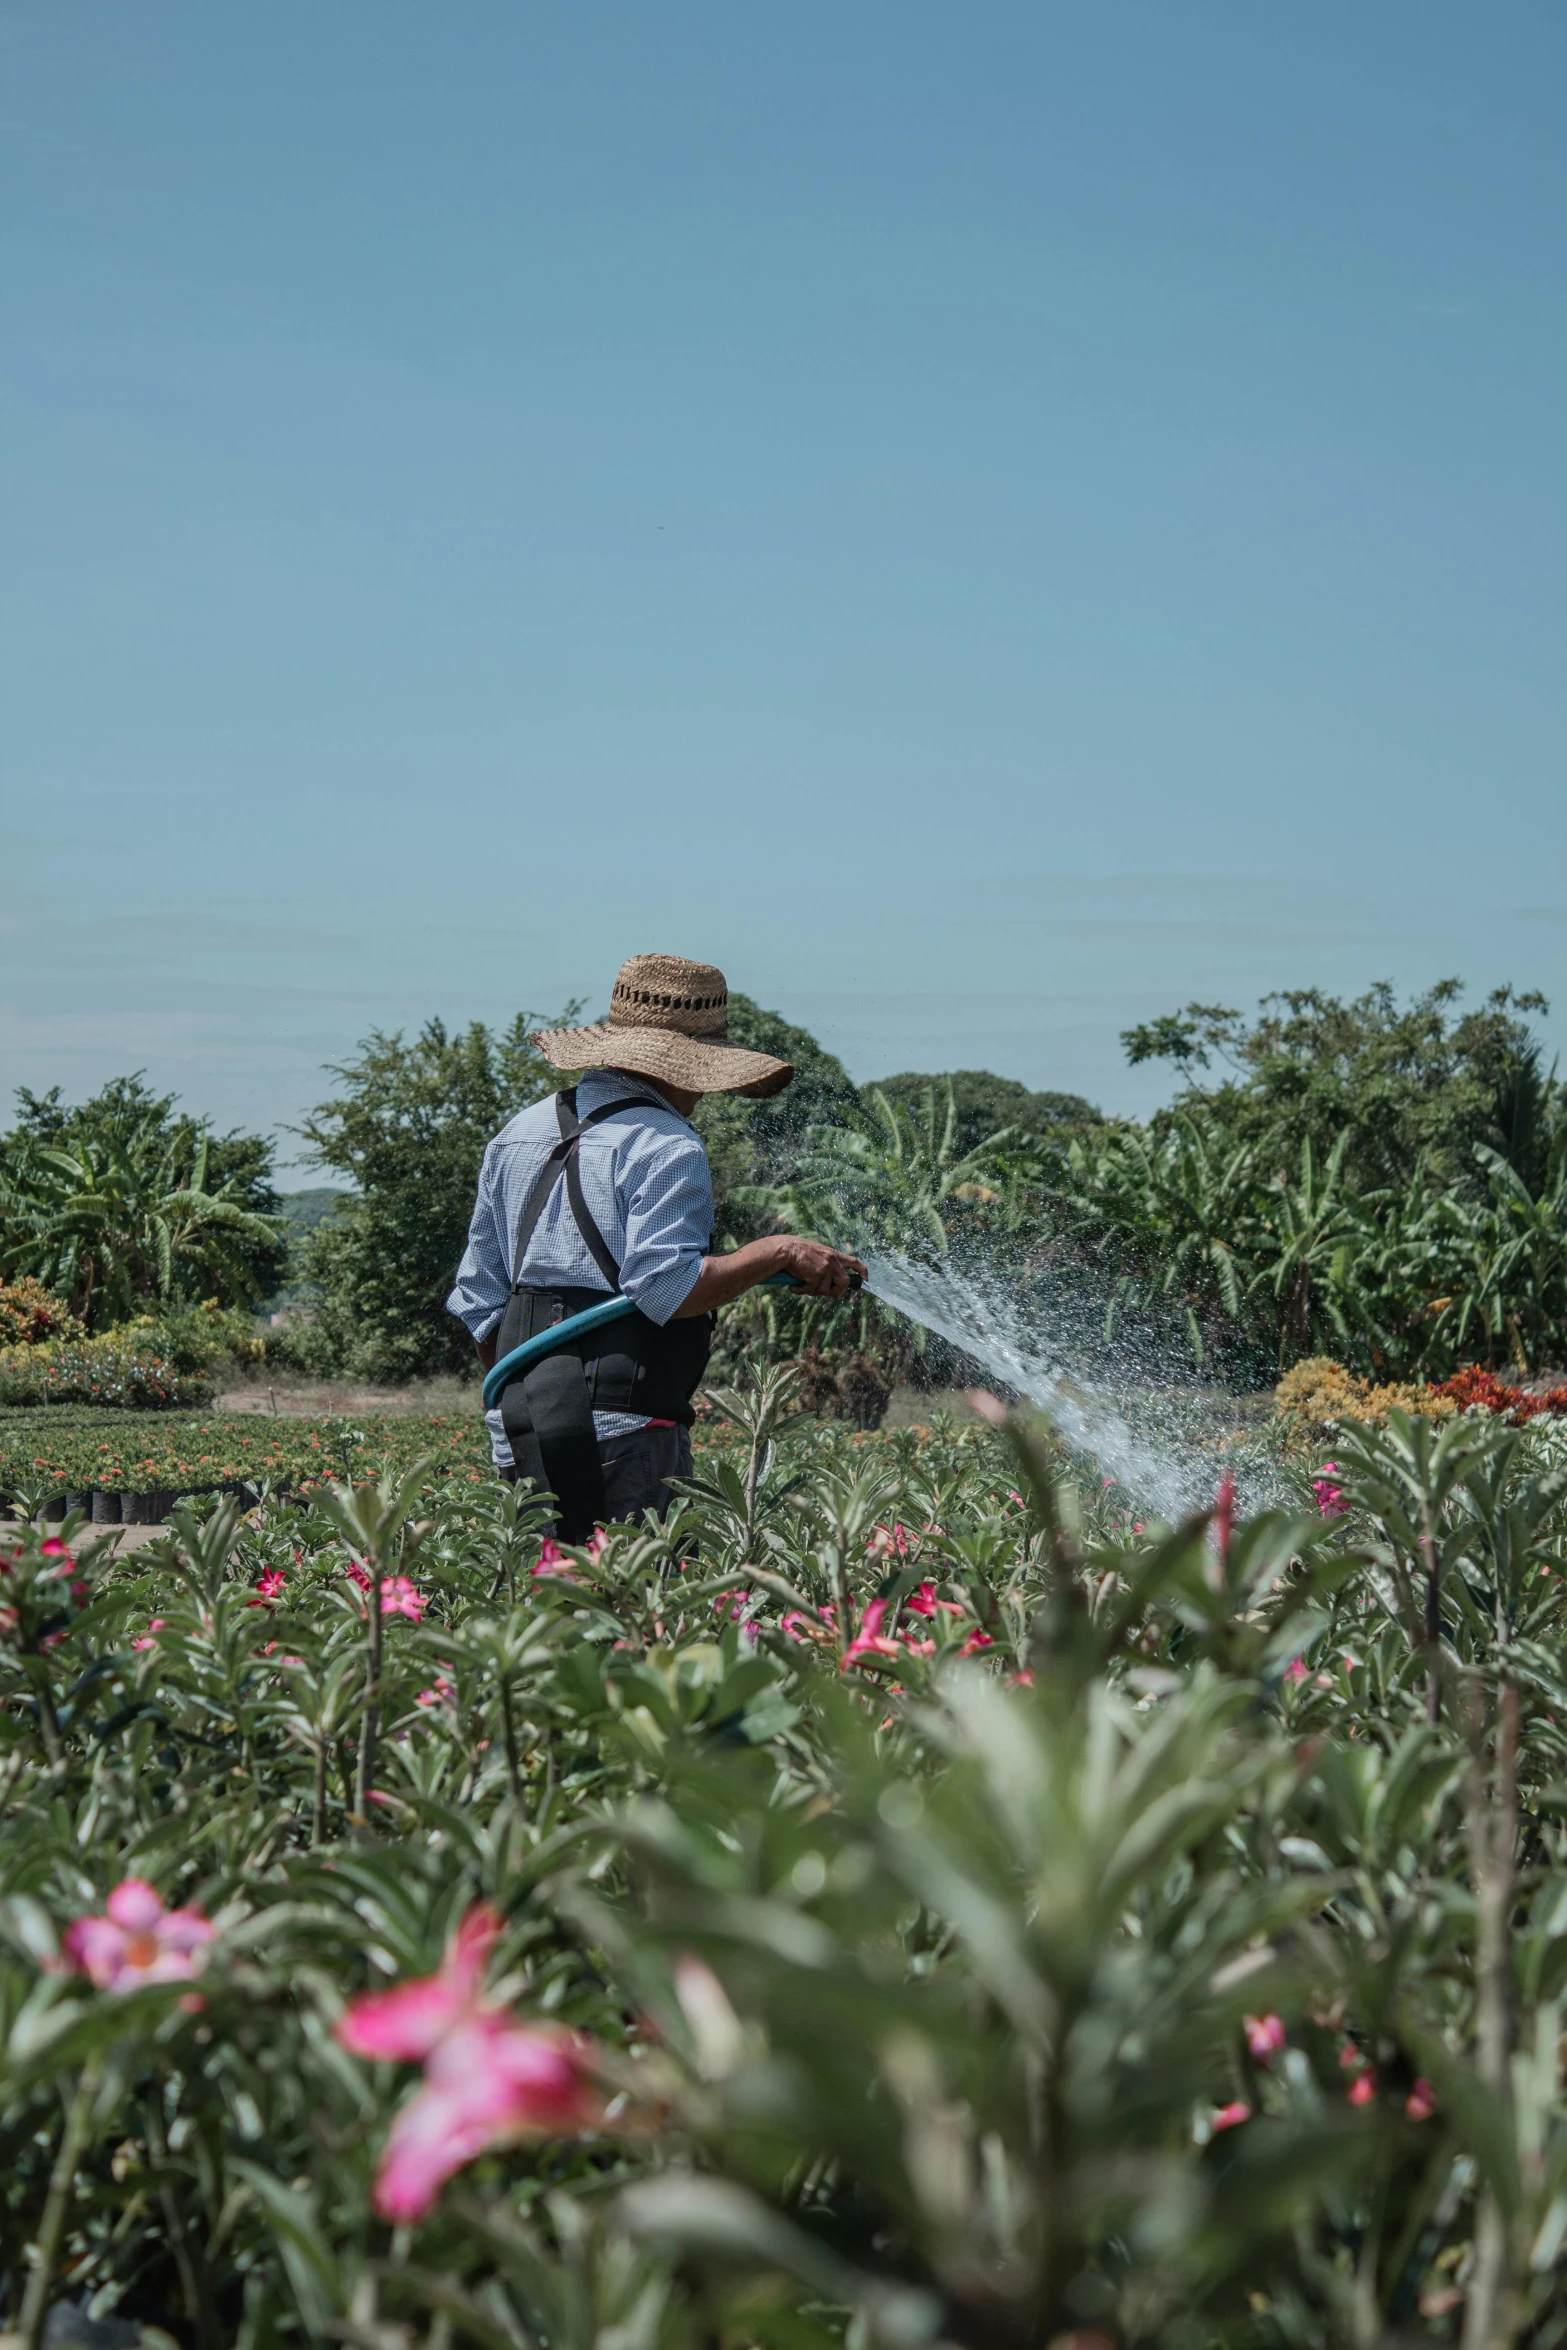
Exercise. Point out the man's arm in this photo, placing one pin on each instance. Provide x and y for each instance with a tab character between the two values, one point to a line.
483	1283
823	1271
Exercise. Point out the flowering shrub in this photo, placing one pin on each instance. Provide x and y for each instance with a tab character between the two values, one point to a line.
1317	1393
30	1315
1476	1389
763	1929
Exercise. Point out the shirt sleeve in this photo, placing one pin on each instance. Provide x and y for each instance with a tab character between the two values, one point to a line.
667	1200
483	1283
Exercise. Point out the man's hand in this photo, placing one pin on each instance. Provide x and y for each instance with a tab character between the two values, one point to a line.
825	1272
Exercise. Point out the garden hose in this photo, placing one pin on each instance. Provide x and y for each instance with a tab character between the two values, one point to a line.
533	1350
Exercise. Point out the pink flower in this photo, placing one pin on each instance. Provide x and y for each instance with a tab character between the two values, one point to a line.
399	1598
598	1543
442	1690
868	1640
486	2079
1363	2087
922	1600
796	1626
1229	2117
975	1642
1023	1680
148	1639
1420	2104
358	1572
54	1548
1295	1670
552	1561
889	1542
917	1647
138	1941
269	1586
1330	1497
1265	2035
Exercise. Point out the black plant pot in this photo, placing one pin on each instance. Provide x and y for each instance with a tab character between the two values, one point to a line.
105	1509
78	1504
156	1506
54	1511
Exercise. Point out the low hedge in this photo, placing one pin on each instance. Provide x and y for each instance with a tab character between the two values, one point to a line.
112	1371
165	1452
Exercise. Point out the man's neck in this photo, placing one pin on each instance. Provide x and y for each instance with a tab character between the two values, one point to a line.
670	1097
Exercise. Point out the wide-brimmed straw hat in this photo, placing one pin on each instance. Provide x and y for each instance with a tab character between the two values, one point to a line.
668	1019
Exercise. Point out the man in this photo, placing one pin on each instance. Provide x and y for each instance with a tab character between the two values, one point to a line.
606	1188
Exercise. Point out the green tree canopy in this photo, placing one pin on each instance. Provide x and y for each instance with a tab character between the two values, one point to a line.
753	1144
1408	1082
986	1103
408	1131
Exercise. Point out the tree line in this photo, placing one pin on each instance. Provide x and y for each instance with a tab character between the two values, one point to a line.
1381	1181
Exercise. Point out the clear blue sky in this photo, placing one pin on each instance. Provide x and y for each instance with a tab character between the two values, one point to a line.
987	521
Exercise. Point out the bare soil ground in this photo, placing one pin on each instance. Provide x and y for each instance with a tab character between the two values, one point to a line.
123	1538
299	1399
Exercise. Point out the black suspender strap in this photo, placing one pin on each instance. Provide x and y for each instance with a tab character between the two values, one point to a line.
564	1156
548	1414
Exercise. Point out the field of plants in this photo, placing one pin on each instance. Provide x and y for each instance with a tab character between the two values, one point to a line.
903	1900
912	1897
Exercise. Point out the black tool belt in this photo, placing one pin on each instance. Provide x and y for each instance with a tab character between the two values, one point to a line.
631	1364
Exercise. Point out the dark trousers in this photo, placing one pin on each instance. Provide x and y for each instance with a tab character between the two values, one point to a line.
637	1469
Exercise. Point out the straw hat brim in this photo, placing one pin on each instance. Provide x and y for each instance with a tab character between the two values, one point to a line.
697	1064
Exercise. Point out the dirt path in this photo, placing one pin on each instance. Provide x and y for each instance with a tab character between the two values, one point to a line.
298	1399
123	1537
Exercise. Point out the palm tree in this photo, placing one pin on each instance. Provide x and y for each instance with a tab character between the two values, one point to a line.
120	1222
895	1181
1180	1211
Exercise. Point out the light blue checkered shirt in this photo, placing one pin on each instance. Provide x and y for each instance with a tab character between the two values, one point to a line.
646	1182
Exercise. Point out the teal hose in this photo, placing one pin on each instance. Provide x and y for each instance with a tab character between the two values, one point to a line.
533	1350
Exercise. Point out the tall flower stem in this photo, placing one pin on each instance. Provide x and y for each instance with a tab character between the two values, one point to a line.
1491	2314
371	1728
57	2204
318	1792
509	1732
192	2268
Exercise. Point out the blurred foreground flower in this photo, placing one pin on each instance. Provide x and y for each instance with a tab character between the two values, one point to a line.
1330	1496
486	2080
1264	2036
138	1941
